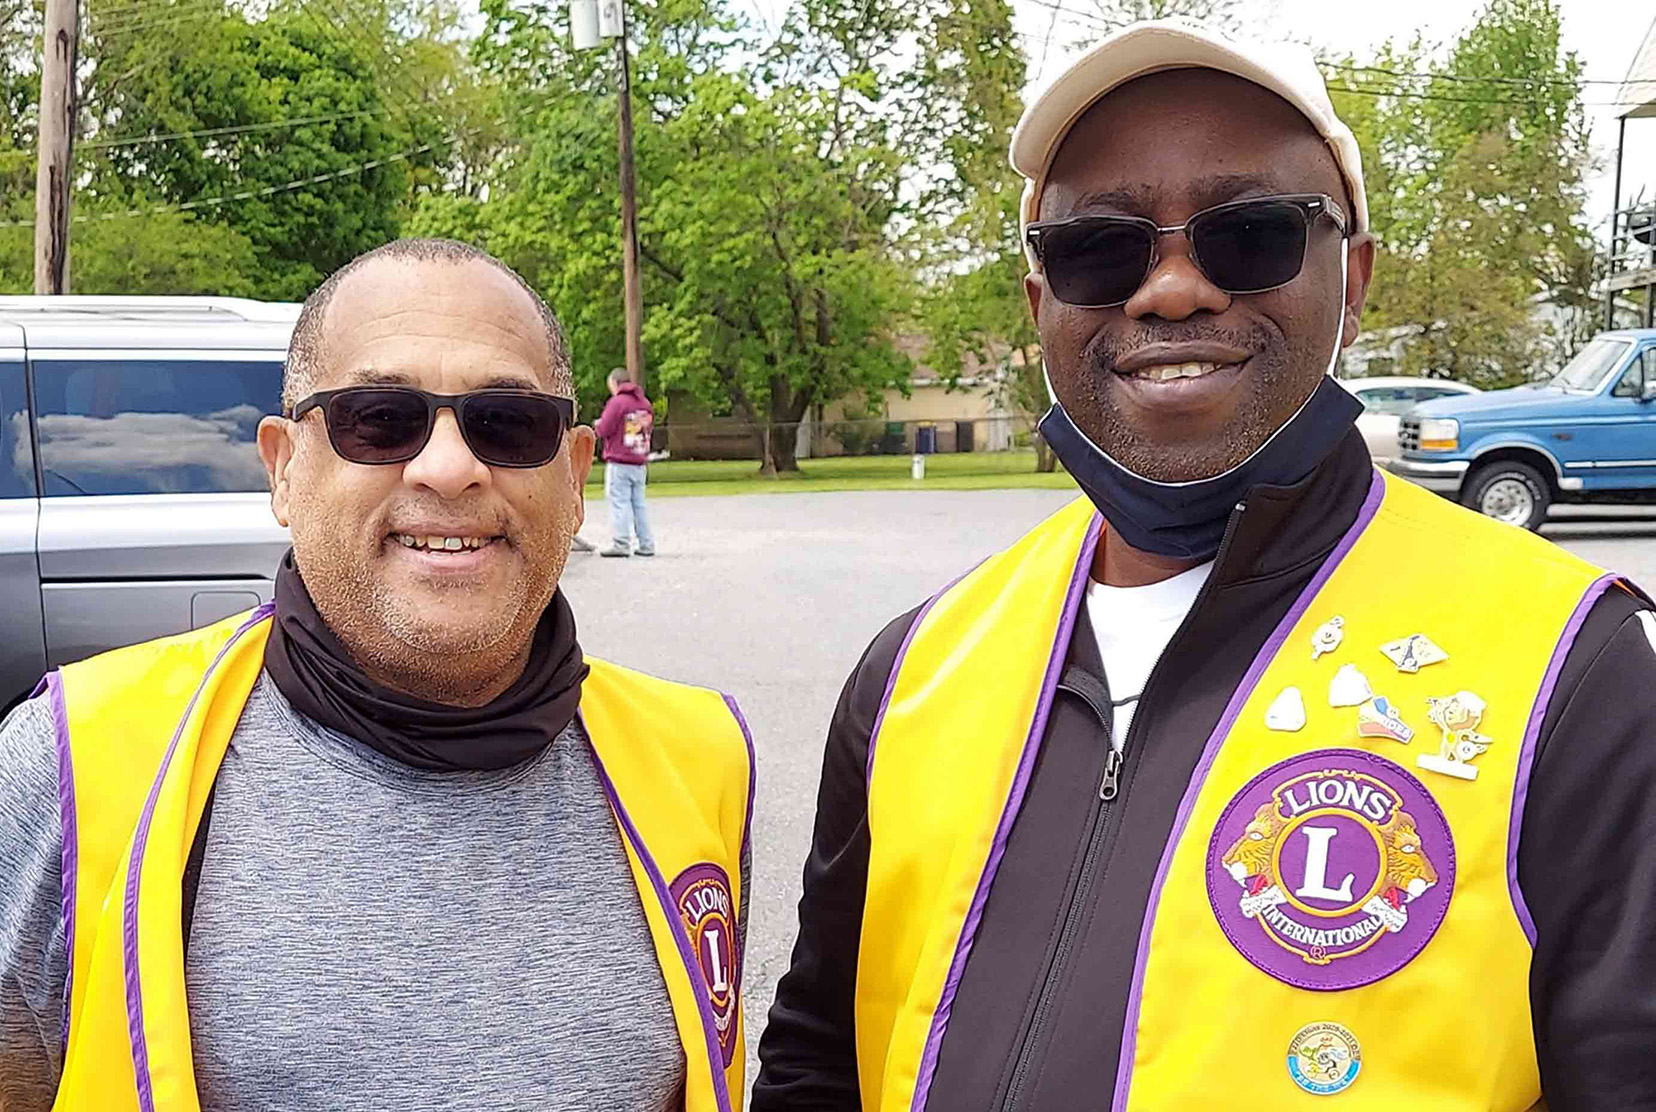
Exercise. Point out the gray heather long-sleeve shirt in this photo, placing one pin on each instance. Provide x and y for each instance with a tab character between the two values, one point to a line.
369	935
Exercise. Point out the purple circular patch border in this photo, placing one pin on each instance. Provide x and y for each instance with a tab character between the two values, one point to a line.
1389	954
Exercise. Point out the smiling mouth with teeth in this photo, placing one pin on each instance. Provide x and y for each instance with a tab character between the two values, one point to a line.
1168	372
442	544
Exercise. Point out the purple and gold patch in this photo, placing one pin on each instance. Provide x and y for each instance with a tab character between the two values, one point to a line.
702	895
1331	870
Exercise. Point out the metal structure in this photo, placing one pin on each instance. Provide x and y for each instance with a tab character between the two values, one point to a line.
1633	225
590	23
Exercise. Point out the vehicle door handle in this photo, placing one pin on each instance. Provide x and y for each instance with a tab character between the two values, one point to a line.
207	607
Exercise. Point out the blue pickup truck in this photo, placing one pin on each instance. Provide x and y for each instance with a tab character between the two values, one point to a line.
1587	435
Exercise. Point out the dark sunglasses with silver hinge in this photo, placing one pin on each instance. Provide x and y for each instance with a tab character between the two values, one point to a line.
1253	245
392	424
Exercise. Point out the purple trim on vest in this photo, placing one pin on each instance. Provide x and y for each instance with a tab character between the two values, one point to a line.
675	924
753	780
129	905
1129	1032
70	848
897	666
1014	801
1526	754
737	942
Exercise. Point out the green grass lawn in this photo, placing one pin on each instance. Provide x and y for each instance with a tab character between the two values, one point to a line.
954	471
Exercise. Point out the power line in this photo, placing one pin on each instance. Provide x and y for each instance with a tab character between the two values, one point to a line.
395	97
1101	23
203	133
1096	19
198	16
1521	82
249	194
1461	100
269	191
102	17
413	97
156	13
128	10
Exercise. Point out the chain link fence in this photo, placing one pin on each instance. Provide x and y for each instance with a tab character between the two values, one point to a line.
735	440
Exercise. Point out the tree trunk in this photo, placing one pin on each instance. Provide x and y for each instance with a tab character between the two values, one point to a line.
1046	460
782	457
787	409
762	443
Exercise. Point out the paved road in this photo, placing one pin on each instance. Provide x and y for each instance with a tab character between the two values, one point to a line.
773	598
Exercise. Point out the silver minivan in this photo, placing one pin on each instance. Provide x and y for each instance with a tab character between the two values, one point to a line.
132	500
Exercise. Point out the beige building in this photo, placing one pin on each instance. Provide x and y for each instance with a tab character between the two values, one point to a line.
971	416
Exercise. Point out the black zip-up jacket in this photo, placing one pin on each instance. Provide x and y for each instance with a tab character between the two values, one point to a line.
1037	1023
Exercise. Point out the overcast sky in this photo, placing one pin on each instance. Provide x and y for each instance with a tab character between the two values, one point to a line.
1605	33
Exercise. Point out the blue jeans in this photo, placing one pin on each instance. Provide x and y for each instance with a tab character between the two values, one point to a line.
624	487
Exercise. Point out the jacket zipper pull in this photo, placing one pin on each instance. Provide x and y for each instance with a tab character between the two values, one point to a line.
1112	775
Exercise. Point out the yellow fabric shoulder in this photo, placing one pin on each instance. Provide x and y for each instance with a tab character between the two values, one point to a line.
1338	900
141	734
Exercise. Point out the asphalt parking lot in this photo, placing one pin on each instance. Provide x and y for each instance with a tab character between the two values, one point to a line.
773	598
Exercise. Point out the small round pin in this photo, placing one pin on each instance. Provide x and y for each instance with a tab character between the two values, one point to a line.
1324	1058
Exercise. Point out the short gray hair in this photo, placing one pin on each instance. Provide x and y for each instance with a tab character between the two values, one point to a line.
620	375
305	354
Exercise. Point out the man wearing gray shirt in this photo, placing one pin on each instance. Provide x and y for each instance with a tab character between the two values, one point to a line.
392	842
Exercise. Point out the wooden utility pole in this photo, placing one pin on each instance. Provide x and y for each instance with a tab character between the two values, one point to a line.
633	288
57	139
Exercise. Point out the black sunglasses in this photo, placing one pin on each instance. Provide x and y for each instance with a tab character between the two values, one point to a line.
1247	246
392	424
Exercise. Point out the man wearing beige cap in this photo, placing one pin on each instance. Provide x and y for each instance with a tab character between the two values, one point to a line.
1253	777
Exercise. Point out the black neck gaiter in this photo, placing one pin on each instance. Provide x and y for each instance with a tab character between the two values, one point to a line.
317	676
1187	520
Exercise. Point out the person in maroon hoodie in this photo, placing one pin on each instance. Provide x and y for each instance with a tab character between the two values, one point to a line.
626	424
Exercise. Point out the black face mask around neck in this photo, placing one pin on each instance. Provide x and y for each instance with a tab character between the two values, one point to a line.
318	677
1187	520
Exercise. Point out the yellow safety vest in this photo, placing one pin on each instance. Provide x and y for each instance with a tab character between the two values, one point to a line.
1337	908
141	734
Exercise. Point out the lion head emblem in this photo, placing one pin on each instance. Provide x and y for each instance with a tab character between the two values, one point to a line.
1251	854
1408	872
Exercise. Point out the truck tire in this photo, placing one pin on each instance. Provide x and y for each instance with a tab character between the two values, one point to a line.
1509	491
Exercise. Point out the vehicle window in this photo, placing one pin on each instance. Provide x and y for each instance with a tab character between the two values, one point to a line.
1392	400
17	478
1427	393
152	426
1592	363
1633	379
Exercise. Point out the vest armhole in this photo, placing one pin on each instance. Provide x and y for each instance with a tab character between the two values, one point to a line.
192	869
1532	739
68	837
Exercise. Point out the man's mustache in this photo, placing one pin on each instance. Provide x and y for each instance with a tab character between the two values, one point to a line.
1107	349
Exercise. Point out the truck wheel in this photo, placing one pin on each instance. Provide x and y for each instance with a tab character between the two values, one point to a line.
1509	491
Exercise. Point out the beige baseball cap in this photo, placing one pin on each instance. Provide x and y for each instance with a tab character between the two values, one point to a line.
1286	69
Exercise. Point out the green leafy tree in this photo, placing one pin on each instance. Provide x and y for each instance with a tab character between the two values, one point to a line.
975	304
241	79
325	121
1476	191
19	93
774	210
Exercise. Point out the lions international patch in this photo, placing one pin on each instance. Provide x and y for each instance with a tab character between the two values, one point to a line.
1324	1058
1331	870
702	895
